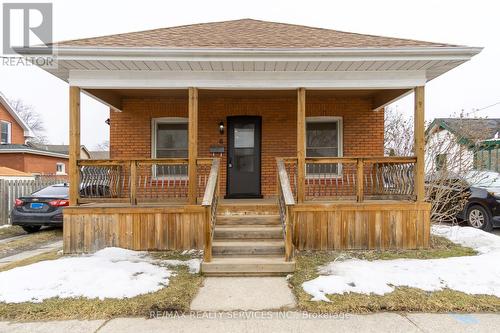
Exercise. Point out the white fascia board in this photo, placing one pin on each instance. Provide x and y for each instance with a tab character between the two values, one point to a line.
284	54
246	80
33	151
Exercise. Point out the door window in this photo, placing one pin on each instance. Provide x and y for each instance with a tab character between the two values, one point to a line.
244	136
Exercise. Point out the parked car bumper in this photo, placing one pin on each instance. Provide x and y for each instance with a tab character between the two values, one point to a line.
43	219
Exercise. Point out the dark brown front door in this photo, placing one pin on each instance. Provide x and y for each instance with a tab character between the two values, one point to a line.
243	157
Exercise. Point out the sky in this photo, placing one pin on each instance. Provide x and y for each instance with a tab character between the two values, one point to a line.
469	87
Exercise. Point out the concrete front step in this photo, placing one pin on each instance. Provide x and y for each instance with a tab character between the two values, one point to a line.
248	248
244	266
253	232
248	219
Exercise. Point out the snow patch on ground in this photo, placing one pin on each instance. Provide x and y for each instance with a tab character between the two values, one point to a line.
108	273
472	275
481	241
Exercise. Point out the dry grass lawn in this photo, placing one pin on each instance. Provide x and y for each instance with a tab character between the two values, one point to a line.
11	231
402	299
30	242
175	298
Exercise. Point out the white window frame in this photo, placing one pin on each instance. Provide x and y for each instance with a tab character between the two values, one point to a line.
63	168
9	131
154	126
340	140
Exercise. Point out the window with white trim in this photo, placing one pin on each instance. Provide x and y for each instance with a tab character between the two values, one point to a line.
323	139
170	140
60	169
5	132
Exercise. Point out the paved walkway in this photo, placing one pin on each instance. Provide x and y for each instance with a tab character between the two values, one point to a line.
295	322
243	293
31	253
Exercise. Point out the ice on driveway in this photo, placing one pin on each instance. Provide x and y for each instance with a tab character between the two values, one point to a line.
472	275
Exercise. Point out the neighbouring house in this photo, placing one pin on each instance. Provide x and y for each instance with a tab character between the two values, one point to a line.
248	139
99	154
462	144
62	149
40	160
29	159
13	129
16	154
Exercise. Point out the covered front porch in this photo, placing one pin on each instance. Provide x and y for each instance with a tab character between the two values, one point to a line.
314	157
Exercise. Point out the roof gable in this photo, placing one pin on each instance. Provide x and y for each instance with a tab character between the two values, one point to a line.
247	34
13	113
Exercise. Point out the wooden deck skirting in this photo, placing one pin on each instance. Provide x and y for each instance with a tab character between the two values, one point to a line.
89	229
316	226
367	225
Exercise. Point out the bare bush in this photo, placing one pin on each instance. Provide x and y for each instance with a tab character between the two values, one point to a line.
32	118
103	146
398	133
448	162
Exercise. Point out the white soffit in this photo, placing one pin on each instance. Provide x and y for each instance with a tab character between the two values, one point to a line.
167	68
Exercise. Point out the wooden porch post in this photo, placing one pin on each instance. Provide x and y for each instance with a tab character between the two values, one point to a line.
419	133
192	144
301	144
74	145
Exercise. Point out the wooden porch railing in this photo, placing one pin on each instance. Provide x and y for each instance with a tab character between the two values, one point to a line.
210	202
285	202
355	178
139	180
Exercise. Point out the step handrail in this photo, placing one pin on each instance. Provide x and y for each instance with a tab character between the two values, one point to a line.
285	202
209	202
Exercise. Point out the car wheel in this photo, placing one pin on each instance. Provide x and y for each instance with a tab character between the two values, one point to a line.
478	217
31	228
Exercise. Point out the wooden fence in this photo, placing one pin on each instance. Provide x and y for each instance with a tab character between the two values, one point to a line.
12	189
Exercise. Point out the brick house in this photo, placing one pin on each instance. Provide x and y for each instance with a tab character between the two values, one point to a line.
36	159
248	138
15	154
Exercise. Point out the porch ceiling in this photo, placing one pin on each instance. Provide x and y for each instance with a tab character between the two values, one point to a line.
113	97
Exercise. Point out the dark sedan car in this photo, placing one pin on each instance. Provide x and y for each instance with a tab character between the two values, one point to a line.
482	210
41	208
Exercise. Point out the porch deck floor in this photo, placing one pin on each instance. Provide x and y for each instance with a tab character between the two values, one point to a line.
242	202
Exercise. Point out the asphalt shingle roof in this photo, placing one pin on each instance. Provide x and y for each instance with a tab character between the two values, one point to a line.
246	33
472	128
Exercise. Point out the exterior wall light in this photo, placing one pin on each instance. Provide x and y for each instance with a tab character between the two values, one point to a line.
221	127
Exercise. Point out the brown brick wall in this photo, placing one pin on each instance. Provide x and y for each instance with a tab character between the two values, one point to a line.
45	165
16	129
363	129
